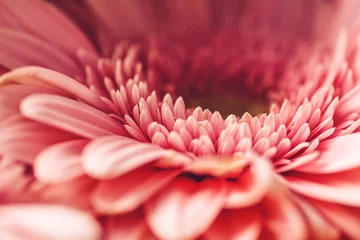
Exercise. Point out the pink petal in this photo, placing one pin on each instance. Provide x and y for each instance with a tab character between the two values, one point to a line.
347	219
54	80
320	228
113	156
236	224
337	155
129	191
335	187
283	219
12	95
131	226
20	49
23	139
251	186
60	162
185	209
44	21
47	222
70	115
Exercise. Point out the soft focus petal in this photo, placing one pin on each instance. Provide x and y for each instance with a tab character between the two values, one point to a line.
60	162
128	192
251	186
131	226
112	156
336	187
337	155
70	115
236	225
47	222
185	209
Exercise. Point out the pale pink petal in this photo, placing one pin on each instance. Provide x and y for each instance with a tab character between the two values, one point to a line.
129	191
48	222
20	49
70	115
54	80
335	187
185	209
283	219
320	228
236	225
12	95
131	226
109	157
347	219
337	155
44	21
60	162
23	139
251	186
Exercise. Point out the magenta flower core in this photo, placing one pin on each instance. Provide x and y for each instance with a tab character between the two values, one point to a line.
212	135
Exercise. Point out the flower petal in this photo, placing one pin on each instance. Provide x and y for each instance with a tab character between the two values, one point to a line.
113	156
283	219
44	21
185	209
15	135
251	186
347	219
131	226
60	162
335	187
50	222
129	191
11	96
54	80
20	49
320	228
337	155
70	115
236	224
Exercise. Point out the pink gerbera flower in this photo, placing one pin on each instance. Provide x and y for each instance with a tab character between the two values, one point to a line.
144	131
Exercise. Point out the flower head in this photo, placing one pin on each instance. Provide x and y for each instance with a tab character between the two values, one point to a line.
156	140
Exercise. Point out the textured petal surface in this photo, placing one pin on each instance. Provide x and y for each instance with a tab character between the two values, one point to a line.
251	186
338	154
180	212
129	191
236	225
47	222
60	162
109	157
336	187
70	115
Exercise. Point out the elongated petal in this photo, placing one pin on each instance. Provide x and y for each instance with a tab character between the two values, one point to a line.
347	219
128	192
54	80
336	187
48	222
109	157
60	162
20	49
282	218
11	96
236	225
70	115
23	139
337	155
131	226
251	186
44	21
320	228
185	209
